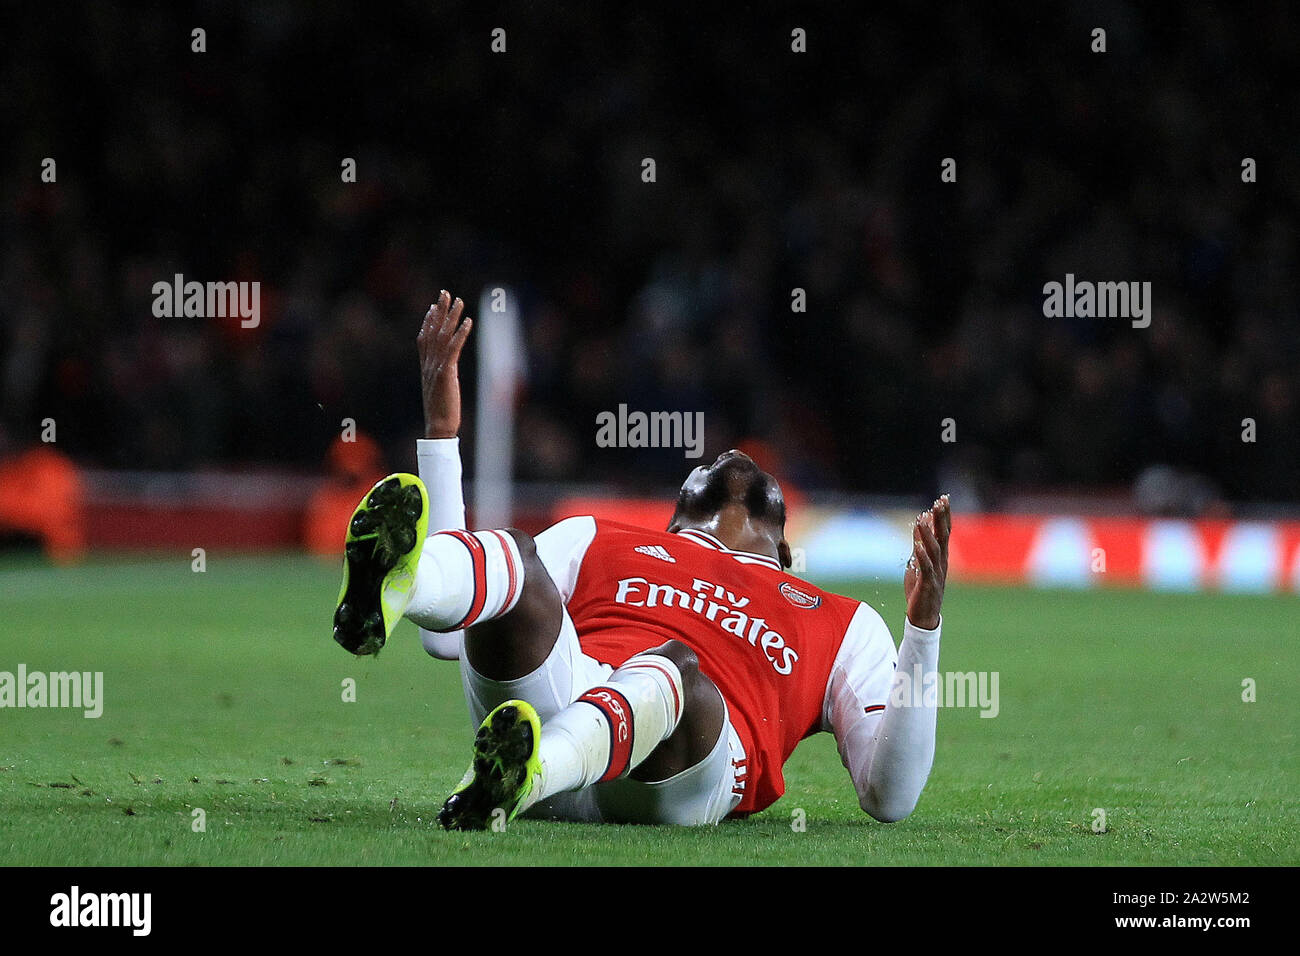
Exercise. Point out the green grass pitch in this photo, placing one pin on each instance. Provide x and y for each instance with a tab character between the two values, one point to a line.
223	691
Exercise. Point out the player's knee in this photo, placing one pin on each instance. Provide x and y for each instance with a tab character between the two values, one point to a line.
681	655
538	590
527	547
703	700
518	641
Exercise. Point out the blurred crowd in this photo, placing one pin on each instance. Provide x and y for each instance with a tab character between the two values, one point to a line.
774	171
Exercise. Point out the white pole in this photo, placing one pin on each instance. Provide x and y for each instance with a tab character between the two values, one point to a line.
500	368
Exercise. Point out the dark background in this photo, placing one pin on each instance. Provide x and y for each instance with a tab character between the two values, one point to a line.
775	170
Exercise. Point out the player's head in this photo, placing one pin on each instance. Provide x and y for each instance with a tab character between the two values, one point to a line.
737	501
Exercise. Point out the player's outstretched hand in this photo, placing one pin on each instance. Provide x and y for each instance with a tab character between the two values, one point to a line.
927	569
442	335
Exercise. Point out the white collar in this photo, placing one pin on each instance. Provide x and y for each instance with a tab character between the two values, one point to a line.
707	540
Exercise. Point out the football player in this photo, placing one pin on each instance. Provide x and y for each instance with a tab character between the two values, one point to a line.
629	675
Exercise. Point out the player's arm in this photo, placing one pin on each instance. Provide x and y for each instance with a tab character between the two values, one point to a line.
883	721
441	338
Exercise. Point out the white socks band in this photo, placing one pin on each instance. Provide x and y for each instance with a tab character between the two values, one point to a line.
465	577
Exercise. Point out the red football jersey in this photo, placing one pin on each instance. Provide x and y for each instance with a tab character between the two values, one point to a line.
766	638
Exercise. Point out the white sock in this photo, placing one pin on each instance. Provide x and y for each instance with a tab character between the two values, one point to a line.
465	577
612	728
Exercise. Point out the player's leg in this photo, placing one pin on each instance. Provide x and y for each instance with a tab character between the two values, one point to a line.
701	722
489	581
657	710
494	584
653	717
703	793
520	644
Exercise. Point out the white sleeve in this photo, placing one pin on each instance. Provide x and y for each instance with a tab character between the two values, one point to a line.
439	463
561	548
438	460
884	726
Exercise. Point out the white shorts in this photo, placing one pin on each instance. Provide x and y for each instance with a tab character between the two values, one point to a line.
704	793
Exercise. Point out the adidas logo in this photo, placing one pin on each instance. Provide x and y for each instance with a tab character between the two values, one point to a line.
655	551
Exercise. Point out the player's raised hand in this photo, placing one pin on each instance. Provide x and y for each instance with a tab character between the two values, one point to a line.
927	569
442	336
